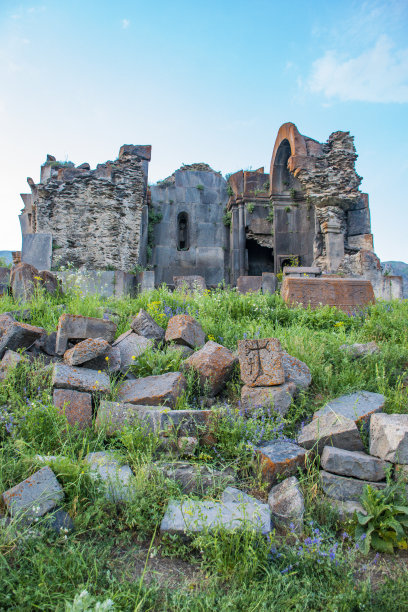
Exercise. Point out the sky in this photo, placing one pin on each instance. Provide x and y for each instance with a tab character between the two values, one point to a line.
204	82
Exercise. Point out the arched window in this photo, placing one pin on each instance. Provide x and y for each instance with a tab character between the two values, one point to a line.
182	232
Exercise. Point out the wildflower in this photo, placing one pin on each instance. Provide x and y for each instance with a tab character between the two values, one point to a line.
106	358
133	357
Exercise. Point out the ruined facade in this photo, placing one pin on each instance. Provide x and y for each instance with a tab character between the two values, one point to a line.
307	210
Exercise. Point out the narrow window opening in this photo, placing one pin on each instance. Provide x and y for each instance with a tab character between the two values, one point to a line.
182	232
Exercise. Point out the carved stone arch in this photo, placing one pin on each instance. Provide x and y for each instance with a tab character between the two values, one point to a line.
289	153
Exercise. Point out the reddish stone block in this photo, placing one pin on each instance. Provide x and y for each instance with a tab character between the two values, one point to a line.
76	406
214	364
280	458
245	284
183	329
261	362
162	390
86	350
348	294
77	327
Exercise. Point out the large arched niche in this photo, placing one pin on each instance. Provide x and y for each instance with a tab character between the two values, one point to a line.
288	153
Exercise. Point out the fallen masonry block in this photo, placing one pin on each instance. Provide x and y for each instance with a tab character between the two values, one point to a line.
79	379
197	478
187	445
331	429
85	351
116	478
34	496
184	350
195	516
131	346
287	505
348	294
15	335
246	284
77	327
59	521
109	361
345	489
144	325
10	360
214	364
296	371
279	397
183	329
231	494
260	362
355	351
185	422
358	406
280	458
354	464
389	437
162	390
75	405
345	509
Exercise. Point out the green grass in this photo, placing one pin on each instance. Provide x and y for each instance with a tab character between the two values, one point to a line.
239	571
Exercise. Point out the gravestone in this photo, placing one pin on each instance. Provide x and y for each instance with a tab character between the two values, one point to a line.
37	250
348	294
245	284
189	284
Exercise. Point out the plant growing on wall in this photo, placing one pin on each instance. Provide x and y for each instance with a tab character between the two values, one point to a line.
230	191
200	187
227	218
154	218
250	207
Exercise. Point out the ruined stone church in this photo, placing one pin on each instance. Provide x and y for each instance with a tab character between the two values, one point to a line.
307	210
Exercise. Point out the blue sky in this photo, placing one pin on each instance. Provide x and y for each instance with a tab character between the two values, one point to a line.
206	82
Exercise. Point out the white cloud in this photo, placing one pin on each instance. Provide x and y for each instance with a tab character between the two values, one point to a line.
379	74
125	24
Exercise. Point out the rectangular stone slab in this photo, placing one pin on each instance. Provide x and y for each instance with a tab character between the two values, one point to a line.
162	390
358	406
261	362
280	457
343	488
116	478
353	463
75	405
348	294
77	327
37	250
15	335
79	379
331	429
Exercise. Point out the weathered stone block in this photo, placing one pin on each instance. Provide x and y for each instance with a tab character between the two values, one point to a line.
194	516
348	294
131	346
358	406
109	361
269	282
296	371
231	494
287	505
279	397
75	405
85	351
34	496
280	458
187	445
160	390
245	284
183	329
190	284
353	463
355	351
9	361
346	509
114	416
305	271
389	437
4	281
331	429
15	335
261	362
77	327
23	281
343	488
49	281
197	479
214	364
37	250
184	350
144	325
79	379
116	478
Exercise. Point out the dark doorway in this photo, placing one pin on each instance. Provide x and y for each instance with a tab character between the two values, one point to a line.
260	258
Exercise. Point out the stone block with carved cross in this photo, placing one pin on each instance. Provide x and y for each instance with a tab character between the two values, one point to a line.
261	362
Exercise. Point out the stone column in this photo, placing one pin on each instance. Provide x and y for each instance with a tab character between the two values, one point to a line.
241	239
332	226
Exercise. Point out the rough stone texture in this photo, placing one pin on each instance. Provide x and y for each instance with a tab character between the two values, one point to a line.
185	351
75	405
345	509
34	496
79	379
77	327
37	250
49	281
187	445
4	281
287	505
401	471
131	346
190	284
280	458
269	282
279	398
331	429
195	516
345	293
358	406
260	362
343	488
85	351
9	361
355	351
15	335
245	284
389	437
296	371
60	522
197	479
214	364
231	494
183	329
109	361
162	390
144	325
355	464
299	271
116	478
23	281
112	417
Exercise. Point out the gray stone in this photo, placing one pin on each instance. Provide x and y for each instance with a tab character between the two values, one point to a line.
353	463
112	417
269	282
105	283
4	281
10	360
311	271
358	406
278	397
146	280
131	346
85	351
144	325
190	284
37	250
355	351
331	429
183	329
197	478
287	505
59	521
184	350
15	335
79	379
343	488
34	496
231	494
48	343
195	516
296	371
116	478
389	437
280	458
110	361
345	509
187	445
162	390
77	327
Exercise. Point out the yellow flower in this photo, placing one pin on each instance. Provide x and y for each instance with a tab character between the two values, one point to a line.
106	358
133	357
38	277
211	338
99	371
